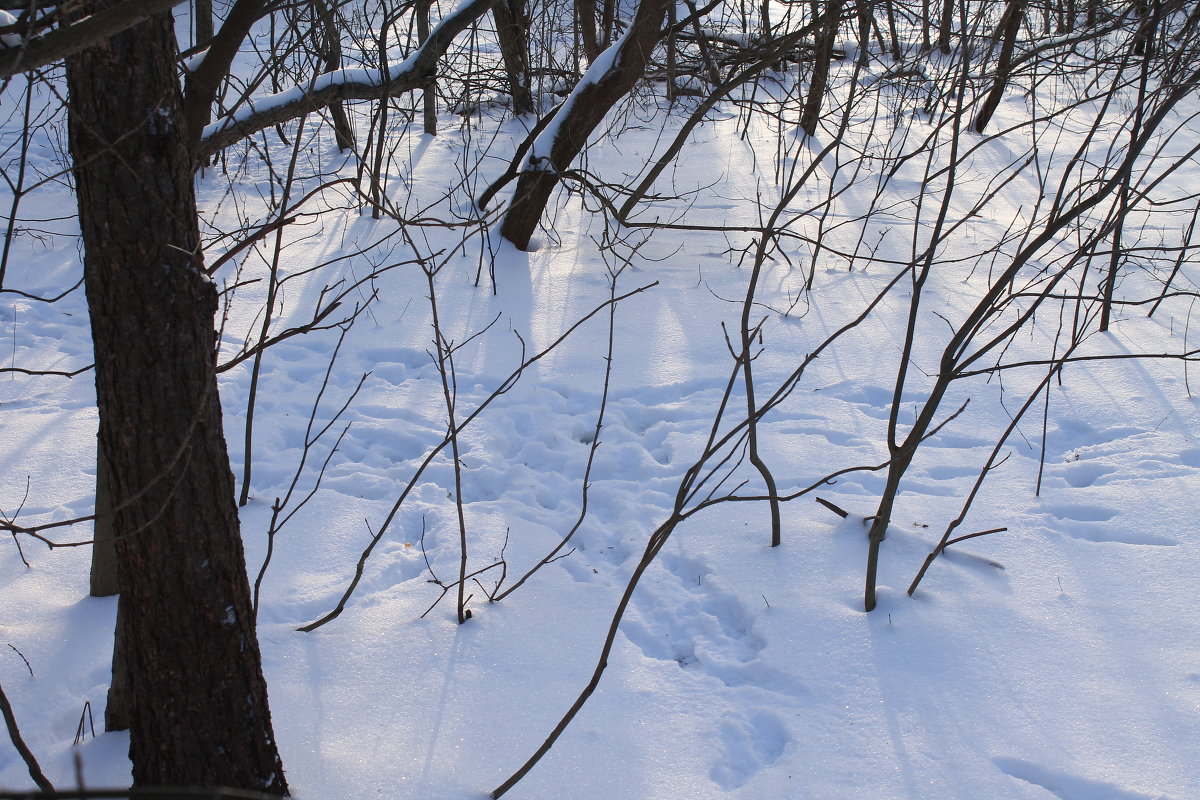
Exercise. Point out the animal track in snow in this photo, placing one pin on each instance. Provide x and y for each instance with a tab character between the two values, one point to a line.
1081	474
1082	513
1066	786
949	472
690	619
749	744
1087	522
734	634
684	610
874	401
1118	536
828	433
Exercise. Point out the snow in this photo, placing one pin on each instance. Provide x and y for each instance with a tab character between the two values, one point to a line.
363	76
357	75
543	145
1060	658
8	39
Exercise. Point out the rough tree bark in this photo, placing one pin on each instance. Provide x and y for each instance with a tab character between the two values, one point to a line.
512	31
72	38
104	546
584	110
204	81
585	20
945	23
1006	32
197	699
822	59
329	43
429	91
105	583
204	21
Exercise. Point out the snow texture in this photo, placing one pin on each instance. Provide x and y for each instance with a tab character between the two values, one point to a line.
1058	659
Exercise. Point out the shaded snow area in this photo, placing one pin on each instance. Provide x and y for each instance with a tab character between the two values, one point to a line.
1059	658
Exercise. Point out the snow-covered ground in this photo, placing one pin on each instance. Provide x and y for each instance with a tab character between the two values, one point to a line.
1059	658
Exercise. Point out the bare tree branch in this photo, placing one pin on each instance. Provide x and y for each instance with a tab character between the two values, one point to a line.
75	38
343	84
14	734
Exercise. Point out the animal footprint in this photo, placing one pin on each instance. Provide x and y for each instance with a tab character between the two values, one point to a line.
1065	786
748	746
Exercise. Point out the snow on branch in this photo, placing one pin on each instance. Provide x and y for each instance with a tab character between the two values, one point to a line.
342	84
66	41
539	153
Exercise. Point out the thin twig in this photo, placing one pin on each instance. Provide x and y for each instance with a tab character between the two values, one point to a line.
14	733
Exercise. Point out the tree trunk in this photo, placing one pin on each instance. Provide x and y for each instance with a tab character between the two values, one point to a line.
330	43
204	21
945	23
116	707
584	110
429	90
608	19
926	46
893	32
878	531
1149	11
197	700
585	19
104	583
820	69
672	68
1066	14
1007	28
512	32
104	546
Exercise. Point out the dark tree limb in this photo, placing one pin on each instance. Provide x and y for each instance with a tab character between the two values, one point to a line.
841	512
332	87
73	39
512	32
610	78
202	83
1006	29
14	733
197	699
